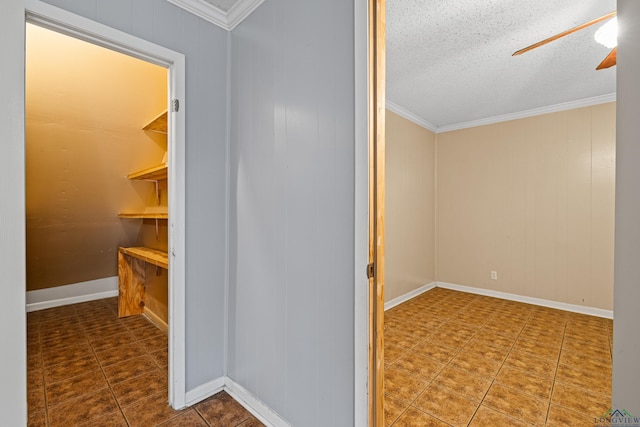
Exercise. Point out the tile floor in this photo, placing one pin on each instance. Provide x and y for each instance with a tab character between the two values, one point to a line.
458	359
86	367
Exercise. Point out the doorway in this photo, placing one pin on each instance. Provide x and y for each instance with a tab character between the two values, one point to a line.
174	63
604	337
84	108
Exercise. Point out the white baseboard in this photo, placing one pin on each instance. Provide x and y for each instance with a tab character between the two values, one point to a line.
72	294
406	297
204	391
156	320
261	411
592	311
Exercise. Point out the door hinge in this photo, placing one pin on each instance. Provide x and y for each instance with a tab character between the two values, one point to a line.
371	270
175	105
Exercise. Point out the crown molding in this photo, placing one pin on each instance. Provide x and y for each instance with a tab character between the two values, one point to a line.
402	112
585	102
204	10
227	21
240	11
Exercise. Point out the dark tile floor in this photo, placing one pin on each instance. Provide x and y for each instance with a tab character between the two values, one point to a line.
457	359
87	367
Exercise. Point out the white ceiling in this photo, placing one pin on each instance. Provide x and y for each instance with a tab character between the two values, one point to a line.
449	62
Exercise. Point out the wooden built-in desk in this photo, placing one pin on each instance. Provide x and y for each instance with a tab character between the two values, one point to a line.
131	277
143	215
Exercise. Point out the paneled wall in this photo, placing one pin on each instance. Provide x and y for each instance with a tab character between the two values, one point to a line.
291	303
205	48
533	200
410	207
626	339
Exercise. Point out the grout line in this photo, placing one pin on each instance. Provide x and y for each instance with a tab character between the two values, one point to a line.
108	383
448	320
494	378
148	354
44	384
555	374
104	374
195	408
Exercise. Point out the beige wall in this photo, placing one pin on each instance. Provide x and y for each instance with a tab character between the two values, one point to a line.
532	199
410	207
85	109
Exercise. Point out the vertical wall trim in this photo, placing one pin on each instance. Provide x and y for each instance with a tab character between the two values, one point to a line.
227	201
13	402
435	207
361	246
177	232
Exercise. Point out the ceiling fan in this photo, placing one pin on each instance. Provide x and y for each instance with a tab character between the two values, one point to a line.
609	61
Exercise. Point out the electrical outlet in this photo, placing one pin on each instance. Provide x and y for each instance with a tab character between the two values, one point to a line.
494	275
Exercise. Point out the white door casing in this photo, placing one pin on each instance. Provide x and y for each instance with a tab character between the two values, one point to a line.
64	22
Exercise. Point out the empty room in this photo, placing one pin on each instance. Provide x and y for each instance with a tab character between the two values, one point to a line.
500	186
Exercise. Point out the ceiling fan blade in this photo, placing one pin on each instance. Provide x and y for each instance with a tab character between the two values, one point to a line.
609	61
565	33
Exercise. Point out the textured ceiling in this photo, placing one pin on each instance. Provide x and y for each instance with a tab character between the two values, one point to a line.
223	5
449	61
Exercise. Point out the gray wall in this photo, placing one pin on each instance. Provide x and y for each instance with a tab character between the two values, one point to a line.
626	335
291	303
205	48
13	367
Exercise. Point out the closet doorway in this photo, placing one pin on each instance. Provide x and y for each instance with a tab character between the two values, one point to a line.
104	183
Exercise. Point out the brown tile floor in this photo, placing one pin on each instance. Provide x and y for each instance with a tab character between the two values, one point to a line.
86	367
458	359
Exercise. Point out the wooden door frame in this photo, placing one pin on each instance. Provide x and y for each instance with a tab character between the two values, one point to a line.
376	132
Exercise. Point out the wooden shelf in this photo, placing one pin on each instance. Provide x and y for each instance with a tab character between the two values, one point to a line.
144	215
152	256
132	261
159	124
154	173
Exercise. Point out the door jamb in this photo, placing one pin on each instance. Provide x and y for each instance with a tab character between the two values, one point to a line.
376	114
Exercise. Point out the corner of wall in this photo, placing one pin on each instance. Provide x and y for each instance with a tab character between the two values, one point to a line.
435	206
227	207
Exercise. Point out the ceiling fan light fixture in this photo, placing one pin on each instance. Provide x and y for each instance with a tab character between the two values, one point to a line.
607	35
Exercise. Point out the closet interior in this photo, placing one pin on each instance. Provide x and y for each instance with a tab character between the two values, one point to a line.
97	192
